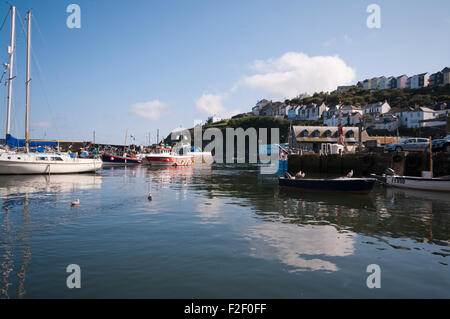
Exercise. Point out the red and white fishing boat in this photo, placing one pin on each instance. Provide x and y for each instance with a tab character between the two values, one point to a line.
165	156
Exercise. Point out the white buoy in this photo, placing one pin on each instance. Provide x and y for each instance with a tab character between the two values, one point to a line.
76	202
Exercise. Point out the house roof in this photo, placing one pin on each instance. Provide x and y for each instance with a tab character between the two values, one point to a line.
426	109
402	110
445	70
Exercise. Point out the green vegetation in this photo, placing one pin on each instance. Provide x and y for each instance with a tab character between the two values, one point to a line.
398	98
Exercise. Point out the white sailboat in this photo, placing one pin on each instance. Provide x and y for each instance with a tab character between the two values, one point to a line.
36	163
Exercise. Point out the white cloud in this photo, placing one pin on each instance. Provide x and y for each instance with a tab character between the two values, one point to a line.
153	110
212	104
295	72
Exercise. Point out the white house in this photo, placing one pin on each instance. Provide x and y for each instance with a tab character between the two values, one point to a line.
259	106
214	119
401	82
420	80
284	111
402	115
414	117
376	108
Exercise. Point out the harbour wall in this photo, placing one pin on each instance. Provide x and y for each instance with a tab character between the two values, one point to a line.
403	163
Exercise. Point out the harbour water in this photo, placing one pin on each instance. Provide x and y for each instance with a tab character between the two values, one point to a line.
220	232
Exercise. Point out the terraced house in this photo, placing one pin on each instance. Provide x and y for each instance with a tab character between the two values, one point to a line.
404	82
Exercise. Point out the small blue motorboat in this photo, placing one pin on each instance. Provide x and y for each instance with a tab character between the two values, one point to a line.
341	184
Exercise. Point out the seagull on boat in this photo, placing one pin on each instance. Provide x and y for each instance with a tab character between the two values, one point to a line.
300	174
350	174
76	202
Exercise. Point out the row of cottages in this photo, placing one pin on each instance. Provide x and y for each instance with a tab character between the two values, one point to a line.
412	117
312	137
269	108
404	82
310	112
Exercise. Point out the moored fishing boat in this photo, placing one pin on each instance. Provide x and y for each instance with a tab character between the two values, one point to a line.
441	184
110	160
165	156
341	184
170	160
427	182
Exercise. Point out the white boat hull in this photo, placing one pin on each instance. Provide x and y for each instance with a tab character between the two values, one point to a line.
28	164
170	160
431	184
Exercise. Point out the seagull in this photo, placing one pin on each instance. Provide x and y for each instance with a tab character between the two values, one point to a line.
300	174
350	174
76	202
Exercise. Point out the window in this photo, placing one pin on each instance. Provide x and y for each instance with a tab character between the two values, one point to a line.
42	158
57	159
350	134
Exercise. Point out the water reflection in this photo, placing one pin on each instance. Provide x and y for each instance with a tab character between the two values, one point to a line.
304	248
303	229
302	232
17	226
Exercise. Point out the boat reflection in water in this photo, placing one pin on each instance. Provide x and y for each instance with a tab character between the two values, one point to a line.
21	198
243	235
26	184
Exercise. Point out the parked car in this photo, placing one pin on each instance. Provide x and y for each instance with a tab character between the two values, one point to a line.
442	144
409	144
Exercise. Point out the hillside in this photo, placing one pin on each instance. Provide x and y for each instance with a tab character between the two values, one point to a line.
398	98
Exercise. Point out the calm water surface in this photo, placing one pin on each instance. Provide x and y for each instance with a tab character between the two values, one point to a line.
222	232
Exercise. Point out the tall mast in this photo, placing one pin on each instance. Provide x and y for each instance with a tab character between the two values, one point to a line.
27	100
125	143
11	61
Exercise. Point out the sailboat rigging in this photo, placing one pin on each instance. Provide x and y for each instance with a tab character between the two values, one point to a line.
28	162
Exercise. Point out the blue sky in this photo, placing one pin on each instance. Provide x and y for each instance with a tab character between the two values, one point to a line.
142	65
